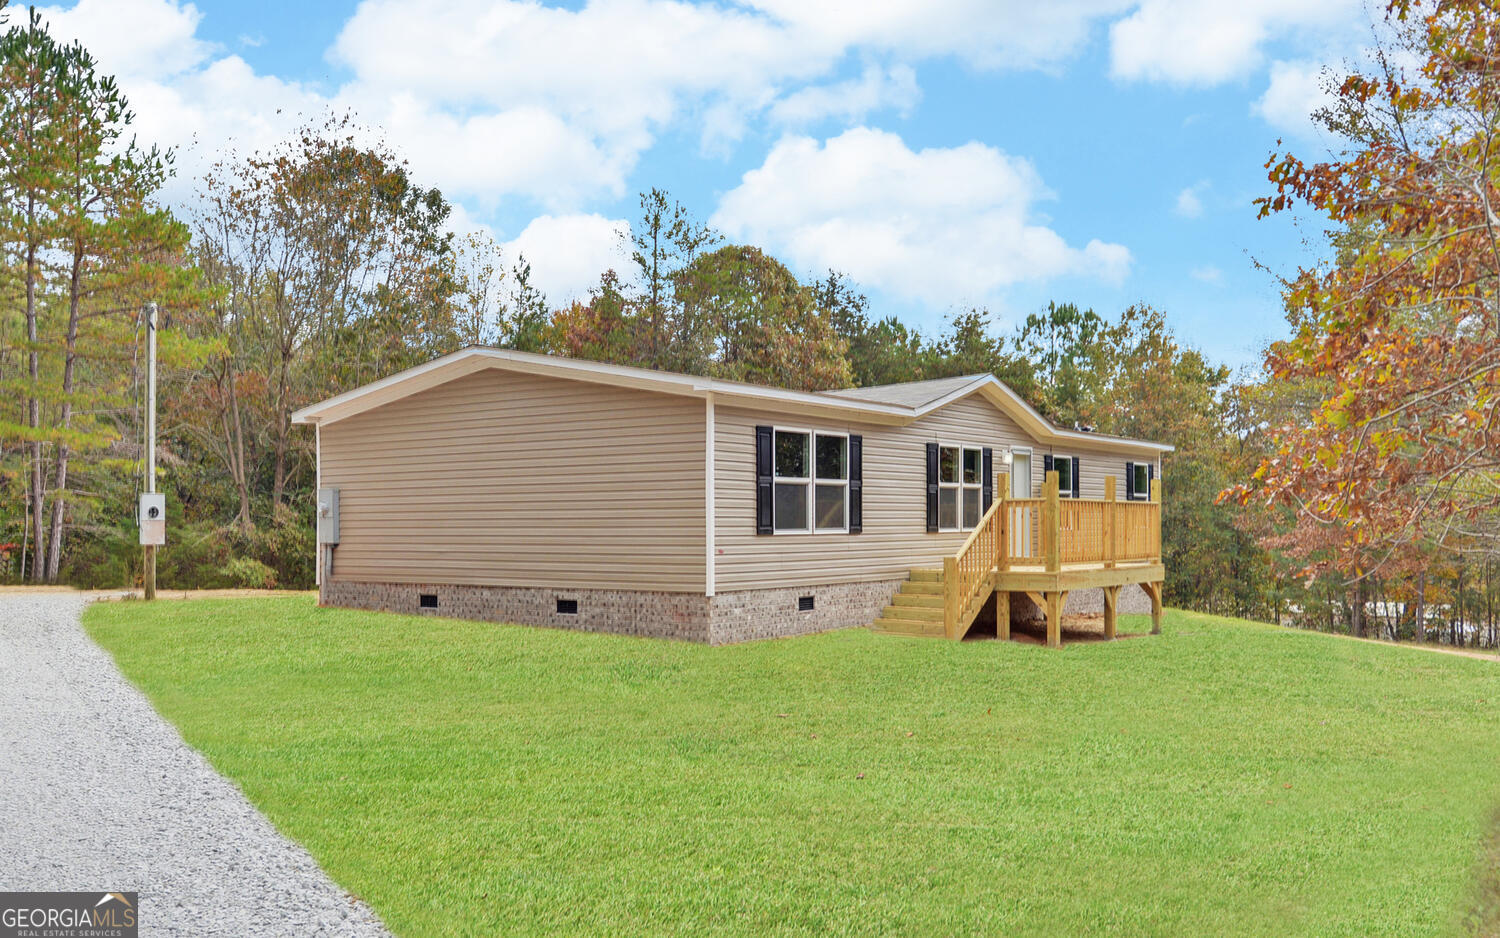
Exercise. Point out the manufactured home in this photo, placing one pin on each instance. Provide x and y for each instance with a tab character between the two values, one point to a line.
501	485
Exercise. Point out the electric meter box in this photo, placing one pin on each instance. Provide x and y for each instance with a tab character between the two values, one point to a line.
153	518
328	516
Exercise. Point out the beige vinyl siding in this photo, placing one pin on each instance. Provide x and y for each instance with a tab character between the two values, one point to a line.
506	479
1093	466
895	536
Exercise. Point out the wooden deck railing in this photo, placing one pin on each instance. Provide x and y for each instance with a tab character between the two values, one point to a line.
968	572
1049	532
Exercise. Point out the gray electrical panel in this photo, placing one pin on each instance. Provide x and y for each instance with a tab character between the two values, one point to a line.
153	518
328	516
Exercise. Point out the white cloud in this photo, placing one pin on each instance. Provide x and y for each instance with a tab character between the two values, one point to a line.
1189	202
984	33
1206	42
521	150
942	225
877	88
1207	274
567	253
498	98
134	38
1294	93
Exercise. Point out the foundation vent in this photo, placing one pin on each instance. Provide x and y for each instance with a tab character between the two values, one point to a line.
567	607
427	600
804	604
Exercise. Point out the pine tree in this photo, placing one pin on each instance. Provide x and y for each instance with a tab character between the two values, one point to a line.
31	164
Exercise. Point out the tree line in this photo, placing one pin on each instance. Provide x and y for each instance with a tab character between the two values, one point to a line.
1349	485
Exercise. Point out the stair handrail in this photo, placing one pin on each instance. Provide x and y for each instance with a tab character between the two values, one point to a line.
964	573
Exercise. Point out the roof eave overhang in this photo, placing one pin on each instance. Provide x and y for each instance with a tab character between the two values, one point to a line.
477	358
471	360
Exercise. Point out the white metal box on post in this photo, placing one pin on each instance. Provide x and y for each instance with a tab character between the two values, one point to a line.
328	516
153	519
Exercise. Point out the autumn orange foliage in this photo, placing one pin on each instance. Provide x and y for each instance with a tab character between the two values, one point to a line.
1400	329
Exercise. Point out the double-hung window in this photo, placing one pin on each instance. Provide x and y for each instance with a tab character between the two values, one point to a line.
1064	467
812	481
1138	481
831	483
960	487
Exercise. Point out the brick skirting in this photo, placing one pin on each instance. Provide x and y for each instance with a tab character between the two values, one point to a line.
750	614
718	620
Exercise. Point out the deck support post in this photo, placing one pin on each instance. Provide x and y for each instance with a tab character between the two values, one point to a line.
950	597
1156	523
1111	611
1154	591
1002	615
1055	602
1109	522
1002	522
1051	524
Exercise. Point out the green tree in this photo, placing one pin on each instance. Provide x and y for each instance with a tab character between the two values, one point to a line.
118	252
761	325
1062	344
883	351
665	242
342	268
32	160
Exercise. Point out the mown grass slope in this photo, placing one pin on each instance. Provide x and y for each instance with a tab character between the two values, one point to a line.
473	779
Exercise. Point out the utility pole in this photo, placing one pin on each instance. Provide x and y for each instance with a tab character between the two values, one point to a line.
149	504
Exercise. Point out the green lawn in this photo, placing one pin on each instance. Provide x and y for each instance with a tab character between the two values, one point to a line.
1223	778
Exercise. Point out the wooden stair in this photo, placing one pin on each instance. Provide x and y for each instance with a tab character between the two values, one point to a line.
917	609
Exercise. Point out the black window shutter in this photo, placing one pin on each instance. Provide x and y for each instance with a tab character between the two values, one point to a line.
932	486
765	521
856	483
1150	477
1130	481
1046	466
988	479
1076	474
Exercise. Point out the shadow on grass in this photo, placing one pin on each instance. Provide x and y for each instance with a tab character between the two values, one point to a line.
1483	920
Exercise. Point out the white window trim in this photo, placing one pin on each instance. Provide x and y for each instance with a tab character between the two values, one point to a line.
960	485
1063	492
810	482
813	489
1134	493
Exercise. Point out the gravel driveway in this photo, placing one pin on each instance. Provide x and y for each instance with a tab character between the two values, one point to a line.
98	792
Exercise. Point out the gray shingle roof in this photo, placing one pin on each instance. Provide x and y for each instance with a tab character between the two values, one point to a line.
909	393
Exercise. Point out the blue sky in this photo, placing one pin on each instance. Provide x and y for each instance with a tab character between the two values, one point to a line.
946	153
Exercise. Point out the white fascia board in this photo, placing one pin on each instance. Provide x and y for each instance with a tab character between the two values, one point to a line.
731	393
1032	421
469	360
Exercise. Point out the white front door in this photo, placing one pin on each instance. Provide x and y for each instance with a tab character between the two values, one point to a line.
1020	475
1019	521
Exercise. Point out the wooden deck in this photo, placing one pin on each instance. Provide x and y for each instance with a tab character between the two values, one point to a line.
1046	548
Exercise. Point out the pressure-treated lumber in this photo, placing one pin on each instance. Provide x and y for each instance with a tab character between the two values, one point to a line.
1111	609
1054	608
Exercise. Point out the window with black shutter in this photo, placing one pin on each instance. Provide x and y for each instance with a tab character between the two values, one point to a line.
803	481
1066	468
856	483
932	487
989	478
960	487
1138	476
765	521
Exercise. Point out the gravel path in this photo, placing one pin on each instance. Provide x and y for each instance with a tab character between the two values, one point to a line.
98	792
